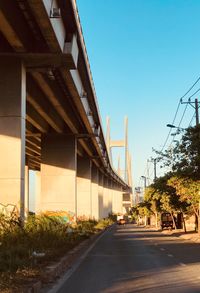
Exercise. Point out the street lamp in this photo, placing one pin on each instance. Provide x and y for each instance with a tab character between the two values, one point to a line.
173	126
145	181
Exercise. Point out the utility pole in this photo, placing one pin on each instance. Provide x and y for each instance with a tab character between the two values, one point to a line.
126	149
154	161
155	175
195	106
197	111
148	172
137	195
145	181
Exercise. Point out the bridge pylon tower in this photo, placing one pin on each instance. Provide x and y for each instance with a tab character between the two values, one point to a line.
120	143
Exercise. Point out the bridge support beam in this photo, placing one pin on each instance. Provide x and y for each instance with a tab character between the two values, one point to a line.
95	192
84	187
12	132
58	174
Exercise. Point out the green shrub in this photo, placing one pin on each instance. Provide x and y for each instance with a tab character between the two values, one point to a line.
104	223
113	217
86	227
40	234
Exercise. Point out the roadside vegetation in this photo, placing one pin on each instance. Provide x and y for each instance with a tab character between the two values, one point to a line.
25	250
178	191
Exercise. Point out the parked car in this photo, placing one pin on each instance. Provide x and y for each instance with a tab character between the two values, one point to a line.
121	222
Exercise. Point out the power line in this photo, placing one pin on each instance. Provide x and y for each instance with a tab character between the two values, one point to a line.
192	119
180	101
171	128
191	88
194	94
198	79
183	115
179	124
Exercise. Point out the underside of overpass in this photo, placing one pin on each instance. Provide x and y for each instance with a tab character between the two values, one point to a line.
48	104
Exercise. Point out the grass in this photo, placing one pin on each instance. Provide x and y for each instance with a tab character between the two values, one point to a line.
51	236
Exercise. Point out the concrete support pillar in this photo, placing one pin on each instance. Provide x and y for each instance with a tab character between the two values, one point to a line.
117	199
114	199
37	192
105	197
84	194
12	132
110	196
95	192
100	193
26	191
120	199
58	173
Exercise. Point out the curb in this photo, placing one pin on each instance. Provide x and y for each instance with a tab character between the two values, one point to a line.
57	268
195	238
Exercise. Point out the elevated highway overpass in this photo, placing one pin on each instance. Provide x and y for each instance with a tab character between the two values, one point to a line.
49	116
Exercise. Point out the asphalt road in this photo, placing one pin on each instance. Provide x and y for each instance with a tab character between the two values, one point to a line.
133	259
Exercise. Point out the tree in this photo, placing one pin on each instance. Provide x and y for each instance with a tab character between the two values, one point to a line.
153	197
144	210
184	158
189	193
164	198
169	200
141	210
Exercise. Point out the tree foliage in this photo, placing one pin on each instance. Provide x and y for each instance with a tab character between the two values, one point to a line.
179	189
184	158
188	191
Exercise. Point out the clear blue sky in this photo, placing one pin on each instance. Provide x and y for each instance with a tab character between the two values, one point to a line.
144	55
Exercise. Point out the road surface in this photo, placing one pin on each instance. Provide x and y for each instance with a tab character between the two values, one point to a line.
134	259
